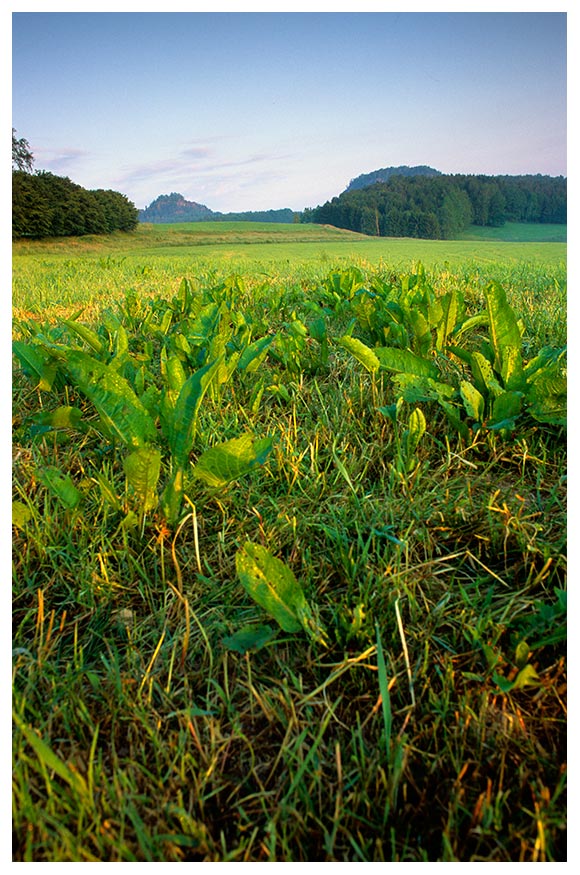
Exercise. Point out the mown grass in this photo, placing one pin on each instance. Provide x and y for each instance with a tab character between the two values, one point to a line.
140	736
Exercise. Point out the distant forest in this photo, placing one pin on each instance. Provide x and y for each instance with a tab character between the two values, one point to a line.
175	208
45	205
390	202
441	206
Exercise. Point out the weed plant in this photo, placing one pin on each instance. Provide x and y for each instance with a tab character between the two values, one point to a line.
416	709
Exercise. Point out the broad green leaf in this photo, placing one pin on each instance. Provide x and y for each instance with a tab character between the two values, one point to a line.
297	328
413	435
87	334
249	638
392	410
317	329
166	321
450	311
184	419
483	376
473	401
526	677
181	343
184	296
545	359
522	654
21	514
121	341
174	373
472	322
232	459
204	324
362	353
34	364
117	404
254	354
505	408
414	388
173	496
61	417
272	585
548	396
405	361
61	486
504	332
142	469
422	339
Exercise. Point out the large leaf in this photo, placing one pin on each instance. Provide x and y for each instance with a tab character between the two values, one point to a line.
60	485
504	333
547	396
255	353
473	401
87	334
448	321
60	418
142	469
422	340
117	404
415	431
184	418
483	376
204	325
21	514
414	388
174	374
172	497
362	353
272	585
232	459
405	361
506	407
35	364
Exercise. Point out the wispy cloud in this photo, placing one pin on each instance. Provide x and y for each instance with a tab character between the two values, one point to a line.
199	170
61	160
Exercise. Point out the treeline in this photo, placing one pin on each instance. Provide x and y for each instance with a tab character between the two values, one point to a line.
440	207
45	205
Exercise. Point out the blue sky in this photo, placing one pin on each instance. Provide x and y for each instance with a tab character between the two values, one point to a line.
251	110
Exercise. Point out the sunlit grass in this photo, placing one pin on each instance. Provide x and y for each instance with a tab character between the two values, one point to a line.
141	737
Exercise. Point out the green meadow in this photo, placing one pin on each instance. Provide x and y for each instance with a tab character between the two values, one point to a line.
289	546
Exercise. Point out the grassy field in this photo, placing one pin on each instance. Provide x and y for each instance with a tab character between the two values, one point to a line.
519	232
289	548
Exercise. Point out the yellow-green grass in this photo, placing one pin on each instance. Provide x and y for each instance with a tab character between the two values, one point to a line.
141	737
297	243
51	277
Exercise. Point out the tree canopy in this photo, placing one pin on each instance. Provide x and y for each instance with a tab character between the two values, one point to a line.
22	158
45	205
440	207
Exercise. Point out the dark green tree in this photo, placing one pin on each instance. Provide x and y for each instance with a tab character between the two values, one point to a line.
22	158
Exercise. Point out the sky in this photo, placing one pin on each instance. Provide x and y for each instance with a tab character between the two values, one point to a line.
265	110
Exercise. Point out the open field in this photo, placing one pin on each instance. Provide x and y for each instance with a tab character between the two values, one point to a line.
289	562
519	232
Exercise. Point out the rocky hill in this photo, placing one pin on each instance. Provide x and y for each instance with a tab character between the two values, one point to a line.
175	208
